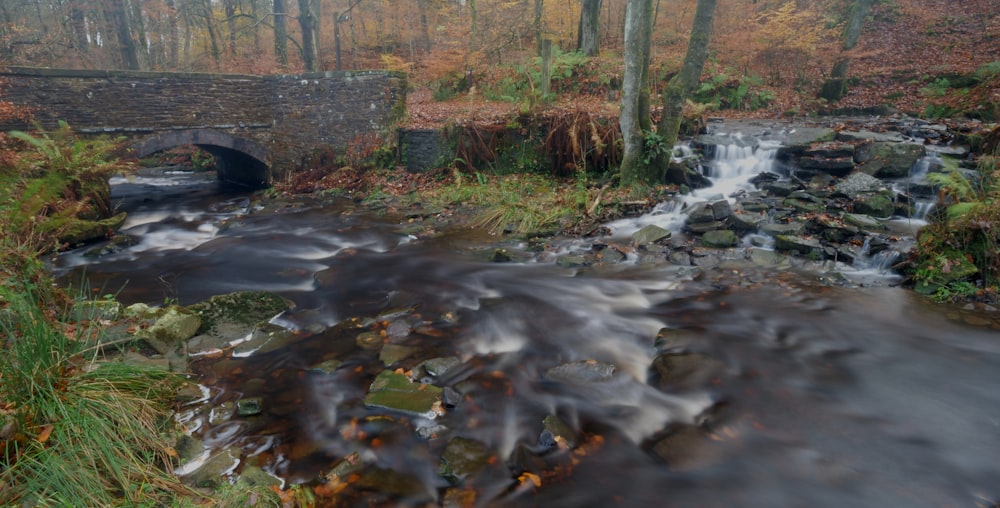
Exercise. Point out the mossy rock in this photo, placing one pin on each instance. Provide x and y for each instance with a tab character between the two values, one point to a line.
875	205
719	239
76	231
241	309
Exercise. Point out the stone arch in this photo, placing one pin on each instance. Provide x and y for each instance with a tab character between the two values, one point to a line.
238	160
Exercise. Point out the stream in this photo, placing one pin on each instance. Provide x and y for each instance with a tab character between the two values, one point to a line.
739	385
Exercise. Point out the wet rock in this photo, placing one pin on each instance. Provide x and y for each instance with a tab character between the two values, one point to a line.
783	228
393	353
263	339
557	434
858	183
583	371
744	221
326	367
214	471
394	391
706	260
463	457
679	258
763	257
801	139
254	476
221	413
249	406
865	222
155	362
572	261
674	339
704	227
889	160
686	370
719	239
500	256
435	368
76	231
804	202
393	483
706	212
781	188
237	313
799	244
831	150
837	166
649	235
173	326
866	135
369	340
685	175
688	448
87	310
876	205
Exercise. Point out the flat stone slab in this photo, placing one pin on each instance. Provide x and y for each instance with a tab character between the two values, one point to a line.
394	391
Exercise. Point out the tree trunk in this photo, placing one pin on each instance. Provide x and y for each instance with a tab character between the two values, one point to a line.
280	33
230	9
78	21
309	24
537	26
117	12
683	83
425	29
835	87
213	36
588	39
632	166
173	53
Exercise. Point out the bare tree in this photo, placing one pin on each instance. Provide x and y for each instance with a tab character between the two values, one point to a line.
588	39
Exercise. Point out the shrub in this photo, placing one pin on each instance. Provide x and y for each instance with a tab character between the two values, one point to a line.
960	248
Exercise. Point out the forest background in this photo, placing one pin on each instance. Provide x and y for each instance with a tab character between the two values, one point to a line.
931	58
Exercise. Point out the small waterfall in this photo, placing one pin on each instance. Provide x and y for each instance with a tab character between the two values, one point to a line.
730	170
880	263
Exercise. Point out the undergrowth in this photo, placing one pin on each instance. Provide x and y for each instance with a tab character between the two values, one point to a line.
957	256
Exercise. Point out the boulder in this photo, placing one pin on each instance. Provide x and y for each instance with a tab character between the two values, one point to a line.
877	205
889	160
799	244
800	139
650	234
857	183
719	239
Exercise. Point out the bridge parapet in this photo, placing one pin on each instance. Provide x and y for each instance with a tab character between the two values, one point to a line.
272	123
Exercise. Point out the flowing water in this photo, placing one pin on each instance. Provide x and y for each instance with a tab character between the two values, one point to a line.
803	393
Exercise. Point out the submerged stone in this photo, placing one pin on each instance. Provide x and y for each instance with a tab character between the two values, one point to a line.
583	371
686	369
557	434
326	367
392	353
571	261
394	391
464	457
435	367
249	406
214	471
243	310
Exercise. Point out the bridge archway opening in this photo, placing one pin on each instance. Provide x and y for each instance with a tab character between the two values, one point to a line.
238	161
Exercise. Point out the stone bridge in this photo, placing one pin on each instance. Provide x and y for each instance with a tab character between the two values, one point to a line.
257	127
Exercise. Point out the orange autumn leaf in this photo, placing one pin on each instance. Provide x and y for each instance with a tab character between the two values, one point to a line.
533	478
43	436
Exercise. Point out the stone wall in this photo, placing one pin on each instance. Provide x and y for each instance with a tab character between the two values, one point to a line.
276	120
